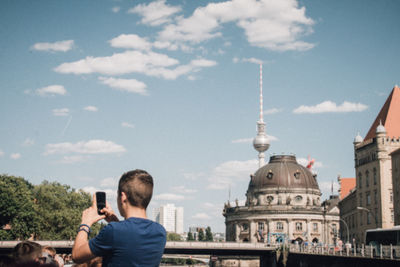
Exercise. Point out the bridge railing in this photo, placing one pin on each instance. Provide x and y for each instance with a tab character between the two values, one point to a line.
380	251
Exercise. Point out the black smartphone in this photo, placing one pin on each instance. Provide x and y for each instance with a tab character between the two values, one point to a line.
101	201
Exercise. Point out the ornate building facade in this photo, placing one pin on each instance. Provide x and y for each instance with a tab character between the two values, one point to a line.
283	204
372	197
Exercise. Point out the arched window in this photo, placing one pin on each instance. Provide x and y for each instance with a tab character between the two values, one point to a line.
359	180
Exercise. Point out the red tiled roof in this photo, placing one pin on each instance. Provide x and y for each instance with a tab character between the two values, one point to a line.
346	185
389	115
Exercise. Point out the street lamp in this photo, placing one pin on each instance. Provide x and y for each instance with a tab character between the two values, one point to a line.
369	211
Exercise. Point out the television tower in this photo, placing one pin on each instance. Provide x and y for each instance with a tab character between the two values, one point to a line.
261	142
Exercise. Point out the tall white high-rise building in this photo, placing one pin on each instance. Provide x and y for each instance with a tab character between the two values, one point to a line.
170	217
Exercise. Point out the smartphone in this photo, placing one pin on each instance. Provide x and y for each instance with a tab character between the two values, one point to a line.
101	201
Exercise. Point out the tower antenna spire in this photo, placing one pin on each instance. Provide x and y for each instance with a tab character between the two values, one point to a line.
261	142
261	95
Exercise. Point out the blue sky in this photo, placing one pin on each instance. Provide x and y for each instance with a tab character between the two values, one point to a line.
91	89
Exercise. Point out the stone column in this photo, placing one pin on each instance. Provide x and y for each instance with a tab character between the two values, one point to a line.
252	232
289	231
237	232
309	229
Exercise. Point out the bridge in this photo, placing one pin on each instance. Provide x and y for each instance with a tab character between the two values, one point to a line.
269	256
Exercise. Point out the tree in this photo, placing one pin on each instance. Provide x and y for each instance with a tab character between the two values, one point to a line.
173	237
60	209
209	235
201	235
190	237
17	208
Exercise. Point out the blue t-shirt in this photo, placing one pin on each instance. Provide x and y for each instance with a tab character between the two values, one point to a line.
132	242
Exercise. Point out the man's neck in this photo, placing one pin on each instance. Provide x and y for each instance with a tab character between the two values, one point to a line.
136	212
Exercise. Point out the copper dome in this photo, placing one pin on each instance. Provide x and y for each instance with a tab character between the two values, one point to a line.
283	172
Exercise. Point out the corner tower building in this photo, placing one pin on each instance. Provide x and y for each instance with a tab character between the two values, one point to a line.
374	193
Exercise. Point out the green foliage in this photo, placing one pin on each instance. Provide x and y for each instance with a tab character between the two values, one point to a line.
209	235
190	237
49	211
16	208
173	237
60	209
201	235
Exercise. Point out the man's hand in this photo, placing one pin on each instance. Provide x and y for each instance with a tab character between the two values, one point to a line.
90	215
110	214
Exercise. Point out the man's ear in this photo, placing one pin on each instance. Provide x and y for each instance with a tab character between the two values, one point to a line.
123	197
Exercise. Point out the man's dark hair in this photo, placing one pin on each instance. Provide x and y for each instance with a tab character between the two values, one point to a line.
26	251
138	187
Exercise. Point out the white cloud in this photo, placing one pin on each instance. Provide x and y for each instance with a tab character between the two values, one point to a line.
15	156
119	63
274	25
1	153
250	140
61	112
183	190
329	106
201	216
228	172
116	9
51	90
91	108
242	140
61	46
127	125
130	41
126	85
155	13
148	63
304	162
253	60
272	111
73	159
28	142
84	147
169	197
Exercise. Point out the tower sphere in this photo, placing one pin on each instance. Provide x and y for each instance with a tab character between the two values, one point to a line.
261	143
358	139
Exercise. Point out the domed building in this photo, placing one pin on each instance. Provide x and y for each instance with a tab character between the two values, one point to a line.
283	202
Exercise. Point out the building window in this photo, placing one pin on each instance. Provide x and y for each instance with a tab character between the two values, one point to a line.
368	196
376	216
361	202
392	215
298	198
279	226
359	180
315	227
245	227
391	196
261	226
361	218
299	226
367	178
374	171
334	229
376	197
368	218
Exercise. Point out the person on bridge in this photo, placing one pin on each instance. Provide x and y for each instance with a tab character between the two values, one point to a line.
135	241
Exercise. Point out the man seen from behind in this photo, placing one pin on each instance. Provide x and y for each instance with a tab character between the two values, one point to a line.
135	241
